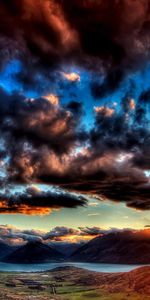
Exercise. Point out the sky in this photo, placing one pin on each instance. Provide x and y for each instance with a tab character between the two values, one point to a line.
74	114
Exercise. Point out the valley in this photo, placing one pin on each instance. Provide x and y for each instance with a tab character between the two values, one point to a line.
71	283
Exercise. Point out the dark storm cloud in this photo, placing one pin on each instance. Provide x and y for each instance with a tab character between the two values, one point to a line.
110	187
43	141
36	33
75	107
39	121
31	128
120	130
145	97
115	33
109	84
35	201
113	164
102	36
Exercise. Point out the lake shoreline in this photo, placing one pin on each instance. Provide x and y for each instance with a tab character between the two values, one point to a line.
96	267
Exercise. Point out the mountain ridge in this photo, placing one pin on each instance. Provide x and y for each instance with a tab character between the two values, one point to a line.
33	252
120	248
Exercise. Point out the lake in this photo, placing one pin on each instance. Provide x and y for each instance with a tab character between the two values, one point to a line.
97	267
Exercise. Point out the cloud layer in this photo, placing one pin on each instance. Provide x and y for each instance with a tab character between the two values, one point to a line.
59	234
44	140
35	201
109	38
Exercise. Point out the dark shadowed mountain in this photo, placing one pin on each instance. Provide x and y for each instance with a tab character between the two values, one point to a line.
33	252
66	248
6	249
126	247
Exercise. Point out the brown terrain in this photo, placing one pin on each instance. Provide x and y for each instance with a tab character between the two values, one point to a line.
70	283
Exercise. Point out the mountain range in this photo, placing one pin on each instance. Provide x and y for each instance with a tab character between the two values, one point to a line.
127	247
6	249
117	247
33	252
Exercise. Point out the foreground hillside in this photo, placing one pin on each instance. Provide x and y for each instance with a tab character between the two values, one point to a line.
76	284
118	248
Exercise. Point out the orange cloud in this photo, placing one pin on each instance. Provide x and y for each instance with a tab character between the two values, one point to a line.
132	104
73	77
105	111
24	209
76	238
53	99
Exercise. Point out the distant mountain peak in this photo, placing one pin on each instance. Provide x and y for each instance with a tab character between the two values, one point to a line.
34	252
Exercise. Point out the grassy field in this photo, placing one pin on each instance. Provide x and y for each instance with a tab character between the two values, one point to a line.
75	284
